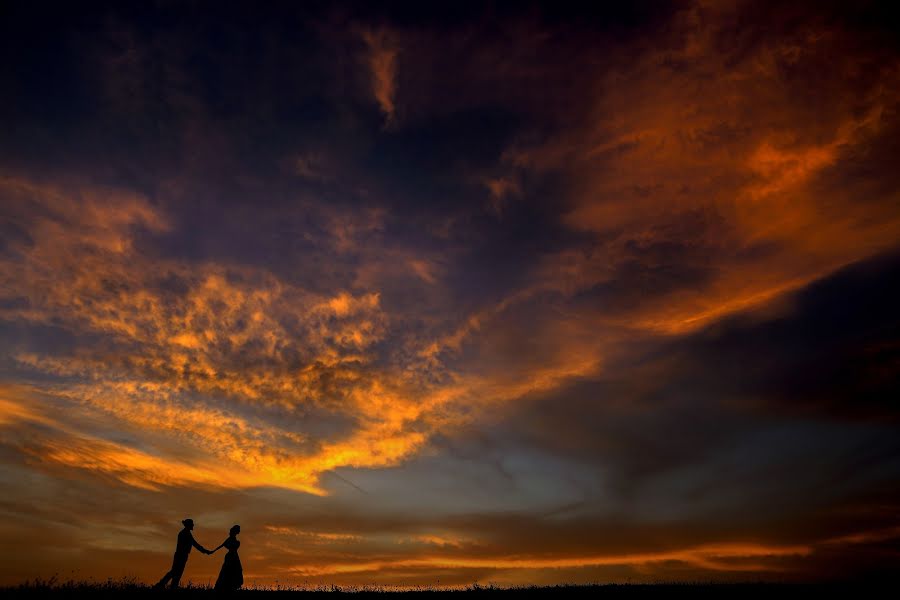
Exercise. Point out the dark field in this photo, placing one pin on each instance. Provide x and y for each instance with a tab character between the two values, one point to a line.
765	591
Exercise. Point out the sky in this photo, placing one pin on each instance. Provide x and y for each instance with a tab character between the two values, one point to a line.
448	292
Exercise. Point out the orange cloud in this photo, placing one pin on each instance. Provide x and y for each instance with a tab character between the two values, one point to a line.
382	63
727	169
719	557
225	332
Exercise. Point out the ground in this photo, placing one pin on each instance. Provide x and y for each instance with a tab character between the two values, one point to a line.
768	591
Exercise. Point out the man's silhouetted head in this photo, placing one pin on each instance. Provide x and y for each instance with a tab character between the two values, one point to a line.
188	523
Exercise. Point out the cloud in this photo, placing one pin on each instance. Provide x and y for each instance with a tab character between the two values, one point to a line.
218	362
672	168
382	63
169	329
311	166
712	558
501	189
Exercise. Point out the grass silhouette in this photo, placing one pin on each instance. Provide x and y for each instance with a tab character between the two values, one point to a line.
132	588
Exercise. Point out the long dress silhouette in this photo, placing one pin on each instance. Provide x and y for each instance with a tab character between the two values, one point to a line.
231	576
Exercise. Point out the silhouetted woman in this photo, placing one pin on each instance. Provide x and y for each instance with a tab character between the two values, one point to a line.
231	577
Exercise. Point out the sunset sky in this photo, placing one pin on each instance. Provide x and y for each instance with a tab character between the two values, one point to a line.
449	292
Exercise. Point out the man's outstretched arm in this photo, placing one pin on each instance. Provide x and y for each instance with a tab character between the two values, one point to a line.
198	546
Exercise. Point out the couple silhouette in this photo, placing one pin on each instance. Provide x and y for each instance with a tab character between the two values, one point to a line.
231	576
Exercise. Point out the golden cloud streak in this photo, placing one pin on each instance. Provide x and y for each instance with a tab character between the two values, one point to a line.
716	557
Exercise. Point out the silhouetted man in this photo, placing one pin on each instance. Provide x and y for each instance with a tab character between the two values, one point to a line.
182	550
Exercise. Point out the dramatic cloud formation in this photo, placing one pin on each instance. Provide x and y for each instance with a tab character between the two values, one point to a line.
443	295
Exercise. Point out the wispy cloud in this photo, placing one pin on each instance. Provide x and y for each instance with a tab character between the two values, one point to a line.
382	62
